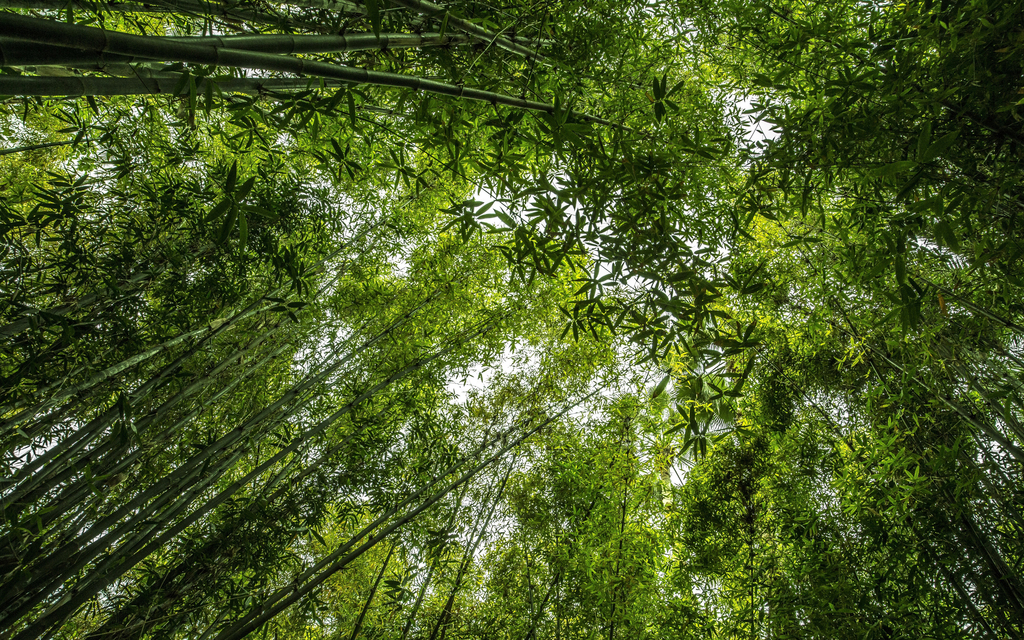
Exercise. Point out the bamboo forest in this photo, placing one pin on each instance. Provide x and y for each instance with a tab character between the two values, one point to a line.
511	319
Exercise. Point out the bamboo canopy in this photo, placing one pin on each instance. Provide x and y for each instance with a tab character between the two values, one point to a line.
568	320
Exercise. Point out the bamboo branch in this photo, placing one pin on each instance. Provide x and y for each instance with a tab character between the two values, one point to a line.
150	85
436	11
33	147
290	44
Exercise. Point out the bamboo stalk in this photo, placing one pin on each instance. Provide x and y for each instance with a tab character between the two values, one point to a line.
76	495
60	5
50	575
111	568
337	560
218	8
157	48
183	421
21	324
215	8
185	568
207	331
433	567
156	380
292	44
196	7
108	457
24	53
60	454
373	591
185	475
151	85
101	376
445	617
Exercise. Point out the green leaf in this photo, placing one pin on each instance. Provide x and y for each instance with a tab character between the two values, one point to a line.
229	186
319	538
944	234
504	217
227	226
909	186
938	147
924	139
658	390
208	95
373	13
746	374
244	190
894	168
218	210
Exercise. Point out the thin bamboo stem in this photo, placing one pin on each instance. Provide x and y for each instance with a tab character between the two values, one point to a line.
436	11
445	617
373	592
35	147
337	560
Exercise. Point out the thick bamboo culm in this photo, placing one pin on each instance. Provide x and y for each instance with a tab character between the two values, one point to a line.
75	36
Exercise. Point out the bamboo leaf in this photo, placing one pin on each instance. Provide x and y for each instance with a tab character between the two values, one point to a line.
373	13
939	147
228	225
244	190
229	185
658	390
218	210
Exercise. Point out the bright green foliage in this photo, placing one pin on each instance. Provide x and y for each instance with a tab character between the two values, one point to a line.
396	320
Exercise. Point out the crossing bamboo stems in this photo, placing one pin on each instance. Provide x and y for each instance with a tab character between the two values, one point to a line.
188	475
46	31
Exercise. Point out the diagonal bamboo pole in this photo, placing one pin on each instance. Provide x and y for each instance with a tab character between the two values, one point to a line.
373	592
291	44
171	486
434	564
116	564
24	53
444	619
150	84
107	459
343	555
152	602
